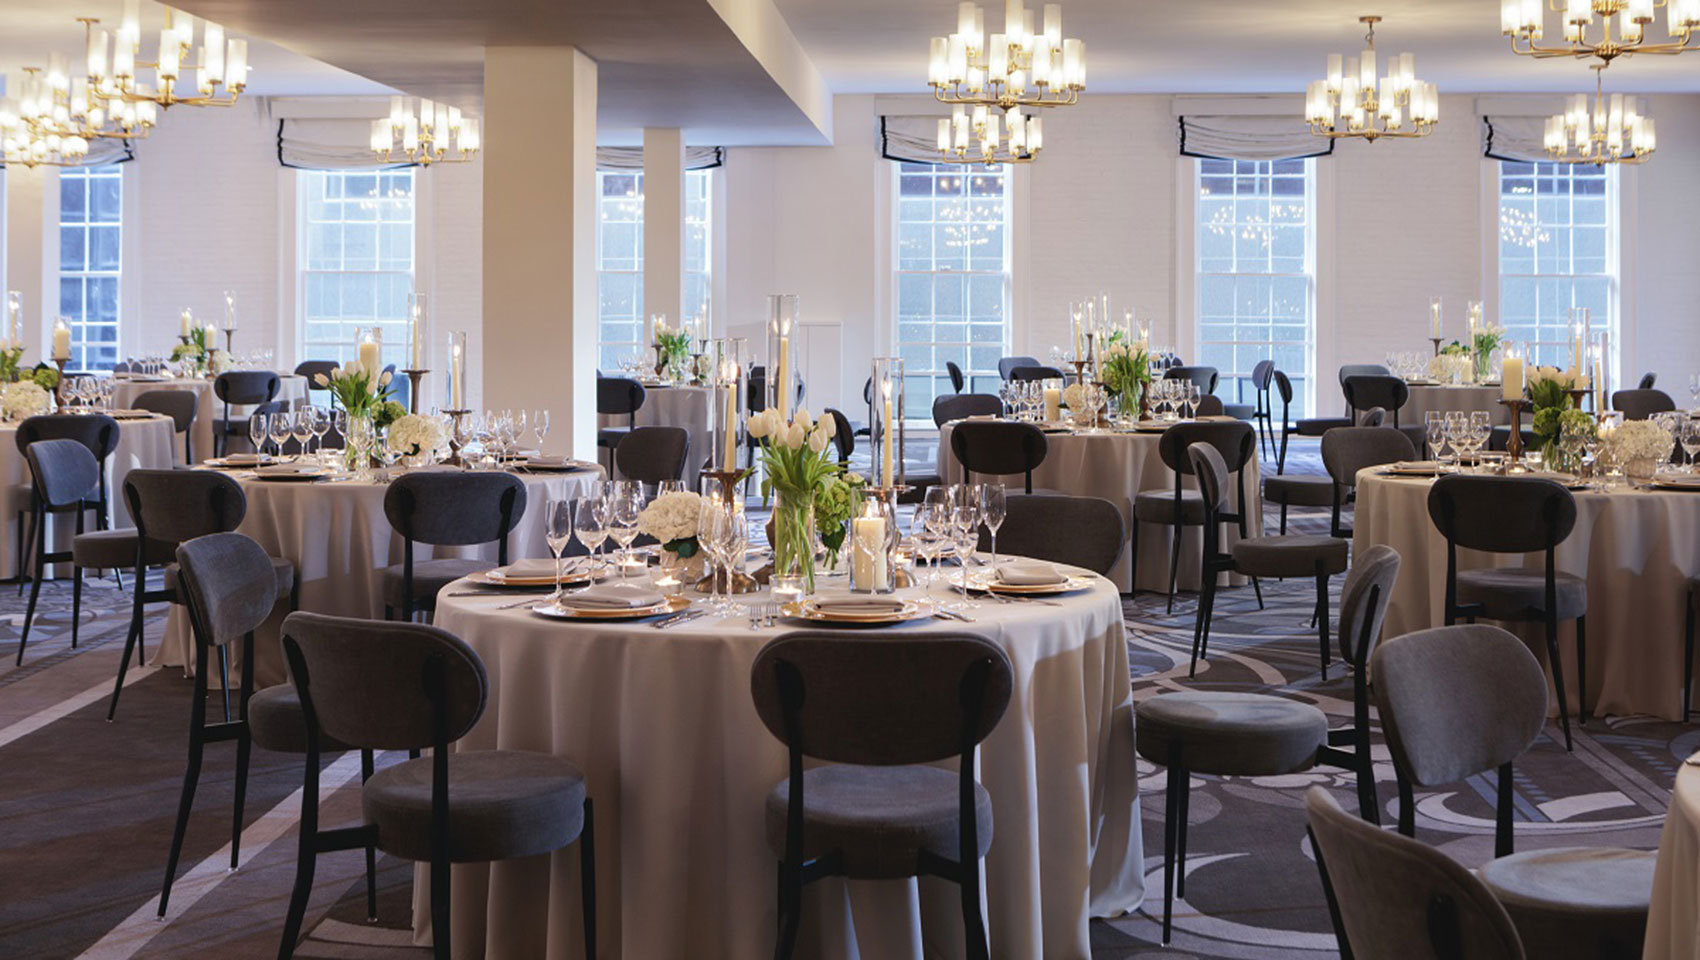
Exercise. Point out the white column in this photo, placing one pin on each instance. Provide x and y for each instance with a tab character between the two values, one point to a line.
663	225
539	334
30	196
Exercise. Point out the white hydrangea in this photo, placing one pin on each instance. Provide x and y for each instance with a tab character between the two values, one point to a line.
26	398
1073	397
1638	440
671	516
414	435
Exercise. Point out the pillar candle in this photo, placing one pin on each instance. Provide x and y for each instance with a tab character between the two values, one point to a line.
61	341
730	456
1434	318
185	322
369	356
1511	377
457	376
782	382
1053	404
867	555
210	336
889	437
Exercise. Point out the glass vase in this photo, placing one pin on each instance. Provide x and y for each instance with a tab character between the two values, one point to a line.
361	441
794	537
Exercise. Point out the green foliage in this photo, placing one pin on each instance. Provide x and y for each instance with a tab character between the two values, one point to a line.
387	412
45	376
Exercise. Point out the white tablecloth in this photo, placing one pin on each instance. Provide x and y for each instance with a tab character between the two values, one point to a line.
1116	467
1673	924
674	407
142	444
340	542
1637	549
678	764
207	405
1445	398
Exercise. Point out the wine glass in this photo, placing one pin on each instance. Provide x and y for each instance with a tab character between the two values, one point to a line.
279	428
540	426
993	506
590	523
258	427
558	532
935	517
1694	391
1481	429
625	507
319	420
721	529
301	428
1691	442
1434	429
965	535
1457	429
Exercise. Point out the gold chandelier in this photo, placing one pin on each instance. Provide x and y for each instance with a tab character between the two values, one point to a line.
974	137
1351	102
1615	131
424	137
1521	20
54	116
115	64
1021	67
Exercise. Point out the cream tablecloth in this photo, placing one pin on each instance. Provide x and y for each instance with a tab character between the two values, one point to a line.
1116	466
1673	924
144	443
674	407
1637	549
340	541
678	764
207	405
1445	398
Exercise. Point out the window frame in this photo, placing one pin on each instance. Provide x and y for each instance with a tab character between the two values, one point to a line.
78	320
1556	351
702	180
396	328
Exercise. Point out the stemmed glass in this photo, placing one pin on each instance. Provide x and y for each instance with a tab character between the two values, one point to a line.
258	428
279	428
993	505
935	518
558	533
1457	429
590	523
540	426
625	507
965	531
1694	391
720	530
301	428
1481	429
319	422
1434	428
1688	432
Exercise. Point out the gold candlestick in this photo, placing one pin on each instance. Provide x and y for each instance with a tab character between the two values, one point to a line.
1514	443
727	580
454	437
59	391
1436	342
1080	369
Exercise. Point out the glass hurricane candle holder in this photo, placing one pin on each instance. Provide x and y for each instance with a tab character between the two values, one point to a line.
725	360
885	421
781	346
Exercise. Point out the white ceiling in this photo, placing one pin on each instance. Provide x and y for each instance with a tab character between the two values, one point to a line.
1218	46
31	29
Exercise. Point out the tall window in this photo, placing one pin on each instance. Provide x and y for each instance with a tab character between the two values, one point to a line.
619	261
1557	252
951	276
90	234
1256	267
356	262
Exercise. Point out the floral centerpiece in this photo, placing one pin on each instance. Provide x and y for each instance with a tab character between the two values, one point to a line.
45	376
420	439
1484	342
1074	397
195	351
835	505
672	519
363	392
1450	365
1639	446
11	360
1125	369
26	398
672	349
795	466
1556	418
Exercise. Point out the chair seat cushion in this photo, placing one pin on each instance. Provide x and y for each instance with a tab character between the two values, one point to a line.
115	549
611	436
1299	491
1513	593
1292	555
1581	902
283	568
1158	506
502	804
879	818
276	723
429	576
1317	426
1231	734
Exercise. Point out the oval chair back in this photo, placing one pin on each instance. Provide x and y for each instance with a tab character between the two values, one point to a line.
999	448
63	474
1035	372
652	454
180	406
1641	404
1079	531
961	406
957	380
619	396
229	586
172	506
1347	450
1202	377
843	436
1364	391
1008	364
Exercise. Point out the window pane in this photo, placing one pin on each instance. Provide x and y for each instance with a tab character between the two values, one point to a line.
356	229
90	243
1557	256
622	323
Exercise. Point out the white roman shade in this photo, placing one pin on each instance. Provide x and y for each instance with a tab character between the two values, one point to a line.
1250	138
911	139
631	158
328	143
1515	138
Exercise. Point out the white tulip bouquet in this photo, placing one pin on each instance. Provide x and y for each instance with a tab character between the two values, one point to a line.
796	465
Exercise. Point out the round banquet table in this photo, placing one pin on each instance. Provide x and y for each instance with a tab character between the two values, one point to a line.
143	443
208	408
1673	923
1636	547
337	536
678	763
1445	397
1116	466
673	406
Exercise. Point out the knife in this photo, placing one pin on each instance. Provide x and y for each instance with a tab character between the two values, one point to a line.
678	618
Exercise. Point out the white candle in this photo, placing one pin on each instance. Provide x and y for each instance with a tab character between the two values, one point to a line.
229	310
185	322
1079	344
867	557
890	438
369	356
1053	404
1434	318
457	376
1511	377
730	457
210	336
61	341
782	382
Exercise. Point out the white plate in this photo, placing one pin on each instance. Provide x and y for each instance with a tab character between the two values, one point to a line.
555	612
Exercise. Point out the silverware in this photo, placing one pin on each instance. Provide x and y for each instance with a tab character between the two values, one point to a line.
951	615
678	618
528	601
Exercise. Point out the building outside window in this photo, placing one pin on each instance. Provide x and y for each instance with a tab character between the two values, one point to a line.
356	234
1558	228
90	239
621	319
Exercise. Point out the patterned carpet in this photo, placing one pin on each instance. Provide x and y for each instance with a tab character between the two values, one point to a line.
86	807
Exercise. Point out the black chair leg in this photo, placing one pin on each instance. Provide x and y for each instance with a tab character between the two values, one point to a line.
38	526
1171	814
76	603
1180	835
367	764
1133	557
1178	531
191	777
1322	620
790	910
1369	805
1407	807
587	878
440	903
973	918
1257	589
1558	679
305	860
1687	657
1201	624
1581	669
1283	518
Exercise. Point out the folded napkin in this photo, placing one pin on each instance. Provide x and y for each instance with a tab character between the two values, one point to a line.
858	604
1029	573
237	459
1678	479
1416	466
549	461
528	569
984	416
615	596
287	469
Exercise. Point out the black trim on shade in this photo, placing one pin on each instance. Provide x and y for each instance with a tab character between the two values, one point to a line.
1210	156
296	166
129	154
719	160
1487	147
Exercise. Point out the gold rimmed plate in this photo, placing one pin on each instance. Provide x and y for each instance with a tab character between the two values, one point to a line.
985	584
1420	468
811	611
225	463
484	578
569	612
291	476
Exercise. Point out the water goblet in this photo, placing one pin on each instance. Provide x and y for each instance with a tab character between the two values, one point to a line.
258	430
279	428
590	523
994	505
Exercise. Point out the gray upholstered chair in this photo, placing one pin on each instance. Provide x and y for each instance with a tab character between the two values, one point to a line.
652	454
1641	404
1363	607
1179	507
1210	405
179	405
240	387
1690	601
1368	391
1204	378
228	587
98	432
1347	450
961	406
401	686
1263	411
881	711
311	370
1079	531
170	507
1036	372
1647	380
954	372
447	508
1292	555
617	397
998	448
1514	515
1008	364
1460	701
1394	898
